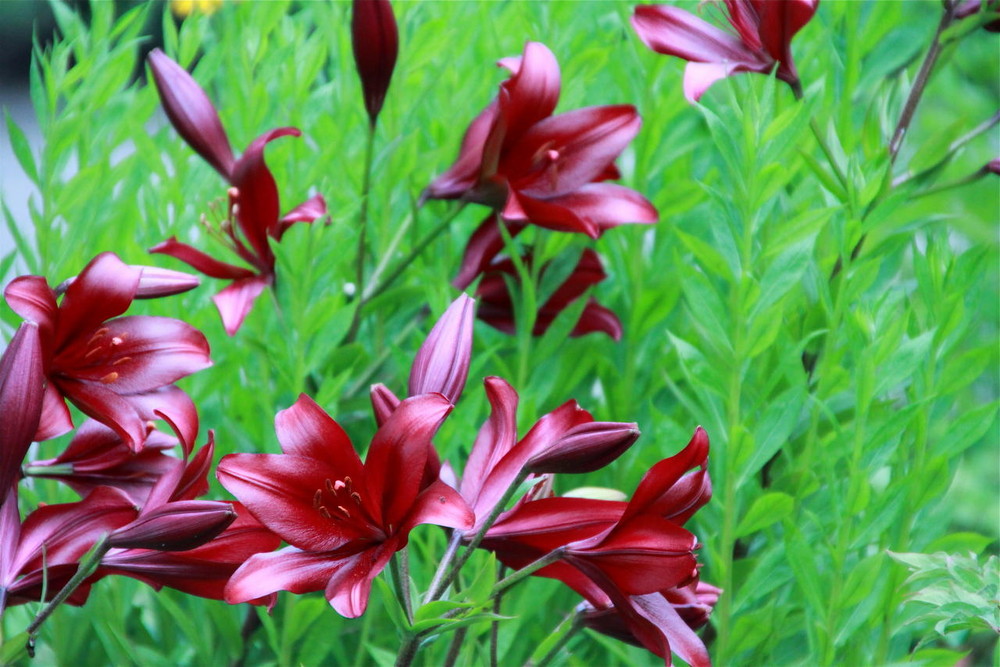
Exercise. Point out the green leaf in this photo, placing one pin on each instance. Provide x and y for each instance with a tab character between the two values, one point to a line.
766	510
773	430
802	559
13	648
904	362
784	273
22	150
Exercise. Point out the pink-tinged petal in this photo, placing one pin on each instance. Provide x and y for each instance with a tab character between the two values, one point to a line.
280	490
585	448
398	455
550	213
200	261
596	318
675	32
310	210
55	419
257	207
496	438
588	272
306	430
779	22
532	91
175	407
656	492
384	403
744	16
463	175
375	41
22	385
698	77
598	206
136	354
440	505
191	113
550	523
194	480
350	587
483	246
155	282
562	153
104	289
109	408
681	639
33	299
442	363
286	570
10	535
234	302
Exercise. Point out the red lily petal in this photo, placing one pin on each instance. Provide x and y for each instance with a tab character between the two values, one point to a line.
234	302
549	213
310	210
495	439
549	523
779	22
33	299
675	32
244	537
442	363
599	206
22	385
398	454
698	77
350	586
191	113
279	490
55	419
200	261
588	272
375	41
175	407
285	570
483	246
656	493
104	289
257	194
681	639
463	175
577	147
306	430
136	354
531	93
109	408
597	318
441	505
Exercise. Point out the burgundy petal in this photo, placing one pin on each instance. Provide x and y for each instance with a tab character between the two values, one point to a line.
597	318
285	570
655	493
257	207
375	41
599	206
104	289
384	402
675	32
33	299
463	175
399	450
191	113
442	363
21	398
175	407
200	261
441	505
531	93
483	246
496	438
308	211
55	419
234	302
779	22
107	407
306	430
350	586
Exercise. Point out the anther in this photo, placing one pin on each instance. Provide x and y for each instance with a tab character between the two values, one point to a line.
317	499
109	378
121	361
329	486
344	510
325	512
356	497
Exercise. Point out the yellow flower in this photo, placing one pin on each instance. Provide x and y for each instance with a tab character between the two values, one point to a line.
187	7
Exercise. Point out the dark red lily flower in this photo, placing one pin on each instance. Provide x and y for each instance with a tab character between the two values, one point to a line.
118	371
203	571
764	31
253	214
375	41
46	548
96	456
533	167
344	519
497	306
22	386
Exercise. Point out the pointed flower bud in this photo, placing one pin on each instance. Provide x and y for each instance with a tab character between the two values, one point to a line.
156	282
22	384
175	526
191	113
442	364
375	40
585	448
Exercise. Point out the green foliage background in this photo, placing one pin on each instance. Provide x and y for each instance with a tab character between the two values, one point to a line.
889	443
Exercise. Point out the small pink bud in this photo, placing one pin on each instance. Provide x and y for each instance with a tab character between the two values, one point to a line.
155	282
442	364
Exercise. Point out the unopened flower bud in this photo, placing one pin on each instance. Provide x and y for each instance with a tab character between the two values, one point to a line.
176	526
155	282
375	40
585	448
442	364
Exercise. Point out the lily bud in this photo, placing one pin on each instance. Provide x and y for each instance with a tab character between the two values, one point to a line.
993	166
191	113
156	282
375	40
176	526
585	448
21	391
384	402
442	364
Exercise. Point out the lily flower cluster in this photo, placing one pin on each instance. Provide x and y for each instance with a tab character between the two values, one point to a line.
139	514
552	171
344	519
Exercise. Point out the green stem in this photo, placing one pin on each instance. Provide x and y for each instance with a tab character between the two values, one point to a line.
821	140
527	571
400	568
495	625
86	568
576	622
449	557
359	272
460	559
